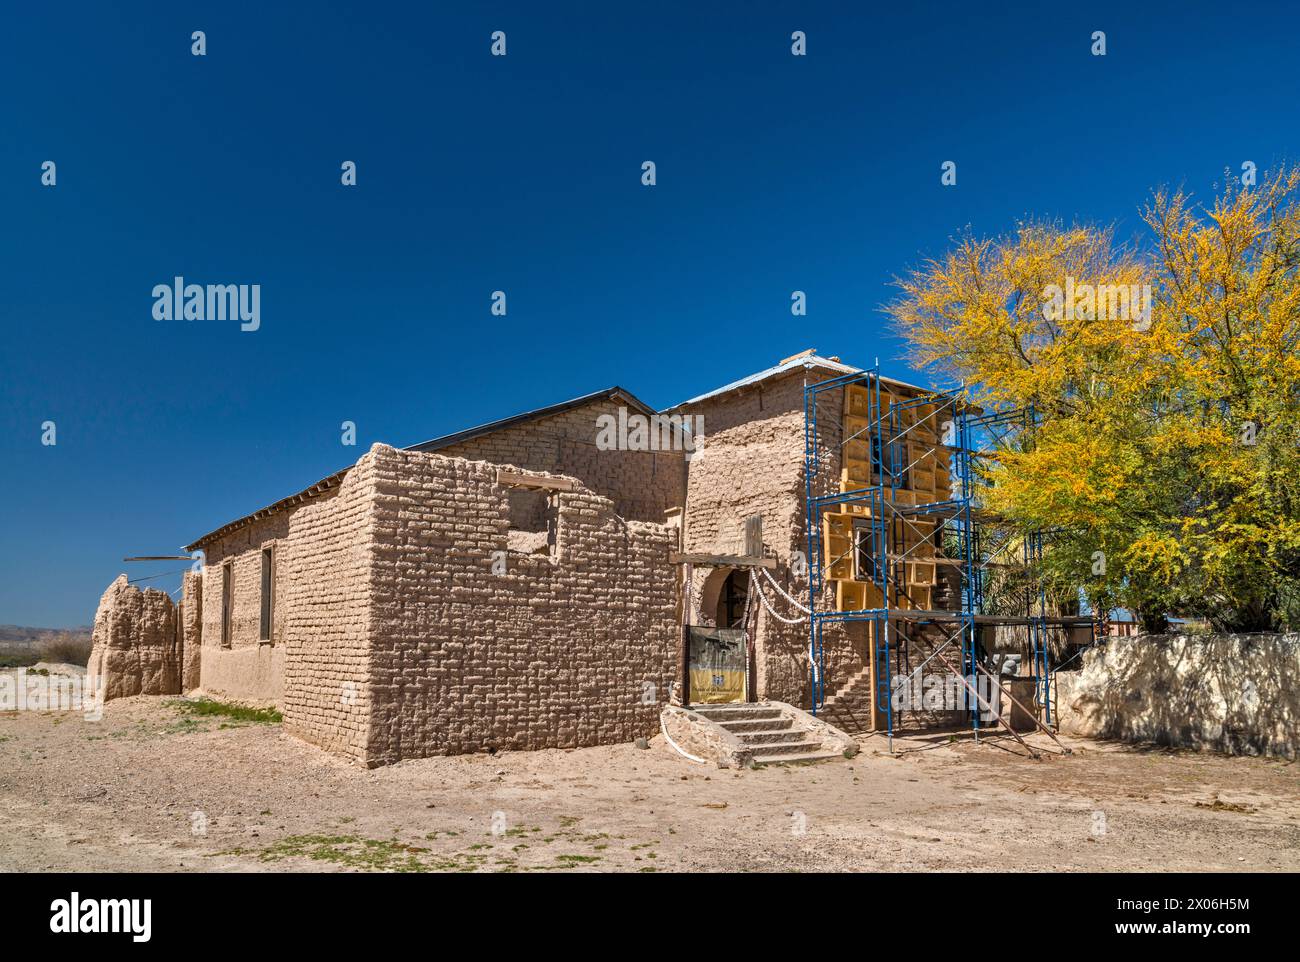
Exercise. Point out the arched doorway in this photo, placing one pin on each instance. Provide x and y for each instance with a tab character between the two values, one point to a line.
733	596
719	652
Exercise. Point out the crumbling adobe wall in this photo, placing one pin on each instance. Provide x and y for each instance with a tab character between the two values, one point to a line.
752	464
572	647
135	647
191	629
1238	694
641	484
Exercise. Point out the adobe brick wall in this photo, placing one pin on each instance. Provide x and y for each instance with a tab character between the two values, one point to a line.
134	643
556	652
248	668
641	484
191	629
326	577
316	664
393	638
753	463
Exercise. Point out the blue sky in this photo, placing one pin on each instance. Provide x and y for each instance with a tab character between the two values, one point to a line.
478	173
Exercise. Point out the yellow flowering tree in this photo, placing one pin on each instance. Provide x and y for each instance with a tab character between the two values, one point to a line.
1166	377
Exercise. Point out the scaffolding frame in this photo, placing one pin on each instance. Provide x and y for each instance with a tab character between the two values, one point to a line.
969	437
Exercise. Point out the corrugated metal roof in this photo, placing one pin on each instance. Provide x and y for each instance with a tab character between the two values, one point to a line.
805	361
320	486
611	393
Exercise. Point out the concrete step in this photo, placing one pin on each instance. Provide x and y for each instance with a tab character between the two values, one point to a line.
760	733
796	759
729	713
755	724
772	736
783	749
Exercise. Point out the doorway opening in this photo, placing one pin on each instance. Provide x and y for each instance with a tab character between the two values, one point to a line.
732	599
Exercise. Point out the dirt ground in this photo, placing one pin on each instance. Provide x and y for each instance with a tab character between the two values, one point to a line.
149	787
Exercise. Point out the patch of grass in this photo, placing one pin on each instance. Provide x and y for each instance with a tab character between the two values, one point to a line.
352	851
207	707
519	831
570	860
338	846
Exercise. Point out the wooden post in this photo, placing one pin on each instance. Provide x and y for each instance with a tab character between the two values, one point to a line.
751	633
688	571
874	712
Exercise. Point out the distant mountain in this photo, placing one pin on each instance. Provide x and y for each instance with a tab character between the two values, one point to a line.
19	635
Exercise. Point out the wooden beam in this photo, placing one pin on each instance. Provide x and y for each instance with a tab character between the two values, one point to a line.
517	480
721	560
794	357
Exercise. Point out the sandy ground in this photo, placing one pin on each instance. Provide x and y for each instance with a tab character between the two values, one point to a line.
149	788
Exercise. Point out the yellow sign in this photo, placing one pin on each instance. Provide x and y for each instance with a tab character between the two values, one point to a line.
712	687
717	669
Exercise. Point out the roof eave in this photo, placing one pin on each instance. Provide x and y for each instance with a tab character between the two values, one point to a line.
469	434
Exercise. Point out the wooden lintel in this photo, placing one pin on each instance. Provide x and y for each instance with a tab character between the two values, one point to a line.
721	560
517	480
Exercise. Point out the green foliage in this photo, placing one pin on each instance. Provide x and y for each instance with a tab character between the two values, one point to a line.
205	707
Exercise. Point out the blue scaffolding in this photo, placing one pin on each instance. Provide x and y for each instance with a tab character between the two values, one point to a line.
968	436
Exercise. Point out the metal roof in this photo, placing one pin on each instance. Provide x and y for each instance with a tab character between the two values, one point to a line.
333	481
806	360
611	393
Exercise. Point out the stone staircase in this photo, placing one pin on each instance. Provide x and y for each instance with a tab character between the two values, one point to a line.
769	734
850	707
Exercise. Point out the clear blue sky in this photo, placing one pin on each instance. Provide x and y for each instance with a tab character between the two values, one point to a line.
477	173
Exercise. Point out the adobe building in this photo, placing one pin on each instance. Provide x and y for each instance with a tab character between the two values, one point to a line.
524	584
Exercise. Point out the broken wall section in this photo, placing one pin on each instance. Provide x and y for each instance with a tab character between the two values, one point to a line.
135	643
1238	694
190	618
